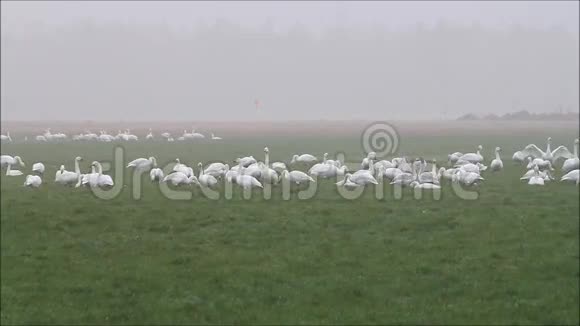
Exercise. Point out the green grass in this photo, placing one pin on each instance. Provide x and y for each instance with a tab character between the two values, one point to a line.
510	257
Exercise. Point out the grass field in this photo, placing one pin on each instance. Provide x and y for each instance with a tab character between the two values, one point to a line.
510	257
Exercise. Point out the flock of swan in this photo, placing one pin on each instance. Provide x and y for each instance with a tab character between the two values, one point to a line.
464	168
103	136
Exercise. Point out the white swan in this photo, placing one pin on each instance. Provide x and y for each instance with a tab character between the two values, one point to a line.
246	181
548	155
156	174
416	184
327	170
496	163
573	175
143	164
391	173
32	181
206	180
519	157
166	135
467	178
6	160
268	174
536	179
574	162
297	177
179	178
453	157
361	179
6	138
12	173
246	161
217	169
473	157
38	167
429	177
304	158
544	174
214	137
149	135
98	179
541	163
67	177
447	173
365	162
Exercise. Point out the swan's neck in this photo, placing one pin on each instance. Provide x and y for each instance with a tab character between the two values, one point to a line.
576	150
267	159
548	147
497	155
77	168
200	171
434	168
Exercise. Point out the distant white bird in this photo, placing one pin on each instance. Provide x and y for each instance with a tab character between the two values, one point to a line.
452	158
536	179
206	180
496	164
6	160
548	155
143	164
149	135
541	163
297	177
573	175
156	174
32	181
179	178
98	179
67	177
38	167
6	138
215	137
574	162
304	158
13	173
473	157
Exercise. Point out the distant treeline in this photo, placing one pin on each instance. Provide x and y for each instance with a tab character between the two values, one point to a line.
524	116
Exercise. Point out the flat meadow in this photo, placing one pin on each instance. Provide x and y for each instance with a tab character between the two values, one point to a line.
509	257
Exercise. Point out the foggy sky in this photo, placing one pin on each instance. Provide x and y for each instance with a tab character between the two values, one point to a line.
303	60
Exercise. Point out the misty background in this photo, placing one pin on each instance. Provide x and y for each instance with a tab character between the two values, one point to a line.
170	61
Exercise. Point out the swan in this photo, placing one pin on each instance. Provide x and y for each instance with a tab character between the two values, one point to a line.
156	174
297	177
541	163
98	178
470	167
67	177
384	164
206	180
544	174
548	155
361	179
166	135
41	138
32	181
268	174
391	173
447	173
196	135
6	137
320	166
246	161
473	157
12	173
143	164
574	162
38	167
149	135
519	157
6	160
304	158
496	164
329	171
405	178
536	179
170	139
217	169
453	157
467	178
429	177
214	137
416	184
365	162
276	166
573	175
179	178
246	181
